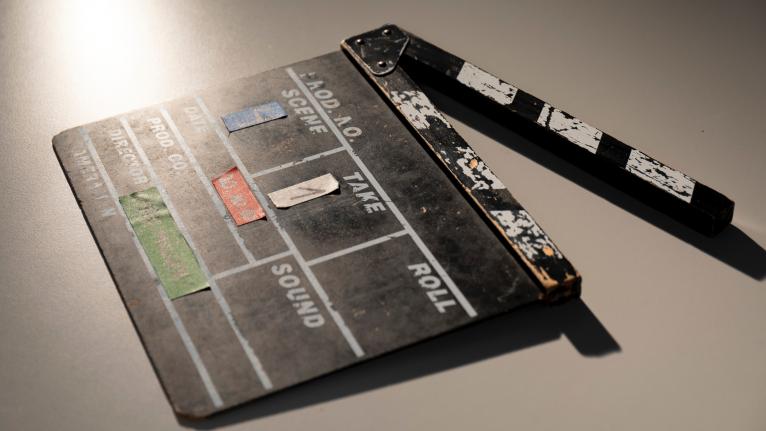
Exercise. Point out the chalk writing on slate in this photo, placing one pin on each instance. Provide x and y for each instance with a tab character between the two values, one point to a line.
304	191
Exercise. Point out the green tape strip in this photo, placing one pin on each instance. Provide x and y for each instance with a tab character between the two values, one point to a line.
168	251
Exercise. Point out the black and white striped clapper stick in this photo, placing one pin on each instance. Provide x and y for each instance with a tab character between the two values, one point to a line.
554	274
668	190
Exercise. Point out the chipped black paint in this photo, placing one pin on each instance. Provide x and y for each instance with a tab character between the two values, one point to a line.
707	211
556	276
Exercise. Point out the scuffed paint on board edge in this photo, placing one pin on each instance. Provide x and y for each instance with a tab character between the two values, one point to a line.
538	253
476	170
532	240
417	108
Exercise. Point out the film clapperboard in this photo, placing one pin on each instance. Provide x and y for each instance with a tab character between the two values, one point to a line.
286	225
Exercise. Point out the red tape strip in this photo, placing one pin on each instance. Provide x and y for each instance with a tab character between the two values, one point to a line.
238	197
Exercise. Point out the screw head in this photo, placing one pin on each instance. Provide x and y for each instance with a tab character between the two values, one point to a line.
381	63
386	32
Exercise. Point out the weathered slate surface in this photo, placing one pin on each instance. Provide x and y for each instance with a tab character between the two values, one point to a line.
397	256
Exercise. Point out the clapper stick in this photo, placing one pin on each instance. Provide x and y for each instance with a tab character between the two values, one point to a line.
554	274
385	51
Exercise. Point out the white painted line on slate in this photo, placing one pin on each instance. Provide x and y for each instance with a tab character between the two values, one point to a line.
357	247
179	325
254	361
208	186
271	215
297	162
384	196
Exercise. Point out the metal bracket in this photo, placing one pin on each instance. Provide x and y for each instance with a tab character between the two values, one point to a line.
379	49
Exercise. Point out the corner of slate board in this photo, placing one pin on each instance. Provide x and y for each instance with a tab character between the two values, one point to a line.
64	143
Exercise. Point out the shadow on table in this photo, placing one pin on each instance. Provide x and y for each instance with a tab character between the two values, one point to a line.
526	327
510	332
732	246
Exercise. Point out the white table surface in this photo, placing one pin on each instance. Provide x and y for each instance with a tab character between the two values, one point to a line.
671	329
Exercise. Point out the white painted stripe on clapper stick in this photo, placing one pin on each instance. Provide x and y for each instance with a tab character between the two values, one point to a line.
672	181
384	196
588	137
208	185
298	162
255	264
177	322
271	215
254	361
357	247
572	129
487	84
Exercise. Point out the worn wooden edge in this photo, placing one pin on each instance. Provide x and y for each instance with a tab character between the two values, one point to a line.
560	283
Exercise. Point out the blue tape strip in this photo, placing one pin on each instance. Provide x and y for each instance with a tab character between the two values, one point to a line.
253	115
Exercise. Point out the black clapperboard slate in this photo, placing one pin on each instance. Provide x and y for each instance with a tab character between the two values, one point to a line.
243	338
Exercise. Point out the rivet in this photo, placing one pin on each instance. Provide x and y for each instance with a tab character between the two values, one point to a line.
359	41
386	32
381	63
